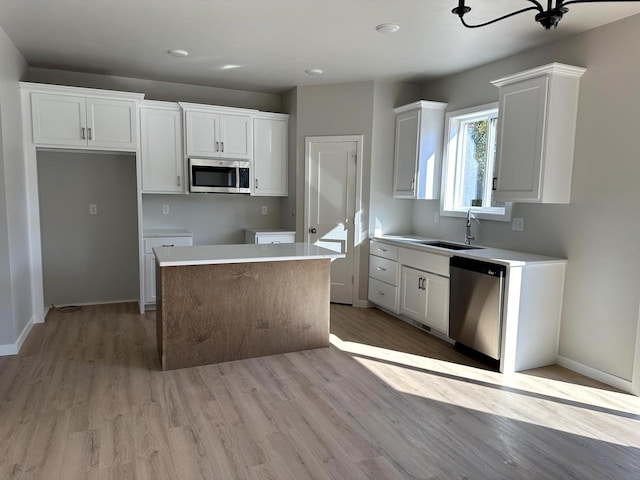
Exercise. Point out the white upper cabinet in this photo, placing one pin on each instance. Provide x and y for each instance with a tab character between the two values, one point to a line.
84	118
536	132
218	132
418	150
270	164
161	147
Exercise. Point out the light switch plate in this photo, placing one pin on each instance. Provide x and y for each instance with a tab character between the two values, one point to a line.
93	209
264	209
165	209
517	225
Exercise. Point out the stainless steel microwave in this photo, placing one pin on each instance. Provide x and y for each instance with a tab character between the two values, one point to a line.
218	176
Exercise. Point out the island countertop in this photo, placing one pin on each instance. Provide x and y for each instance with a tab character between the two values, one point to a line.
241	253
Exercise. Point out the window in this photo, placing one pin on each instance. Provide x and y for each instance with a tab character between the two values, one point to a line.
469	164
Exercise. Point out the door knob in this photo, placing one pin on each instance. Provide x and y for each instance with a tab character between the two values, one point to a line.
312	230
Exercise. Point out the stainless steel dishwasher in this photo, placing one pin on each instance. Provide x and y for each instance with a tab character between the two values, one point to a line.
475	304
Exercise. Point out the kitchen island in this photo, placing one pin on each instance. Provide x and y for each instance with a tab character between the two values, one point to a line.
218	303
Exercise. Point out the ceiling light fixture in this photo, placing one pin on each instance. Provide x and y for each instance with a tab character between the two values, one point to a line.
548	17
314	71
176	52
387	28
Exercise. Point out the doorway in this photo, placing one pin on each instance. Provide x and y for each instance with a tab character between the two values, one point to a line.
333	205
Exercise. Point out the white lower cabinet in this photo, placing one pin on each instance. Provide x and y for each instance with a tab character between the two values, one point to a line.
425	298
261	236
150	261
384	276
411	283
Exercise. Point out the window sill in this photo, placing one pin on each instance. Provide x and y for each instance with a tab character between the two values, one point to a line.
480	214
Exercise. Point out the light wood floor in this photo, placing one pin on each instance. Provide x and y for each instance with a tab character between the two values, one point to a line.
85	399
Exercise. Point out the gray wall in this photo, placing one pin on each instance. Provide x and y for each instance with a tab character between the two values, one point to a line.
213	219
599	230
290	106
88	258
342	109
155	90
15	278
387	215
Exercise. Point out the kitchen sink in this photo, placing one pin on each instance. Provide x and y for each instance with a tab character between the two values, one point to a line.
447	245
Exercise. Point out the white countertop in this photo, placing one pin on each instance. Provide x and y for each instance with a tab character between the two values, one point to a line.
500	256
270	230
166	232
242	253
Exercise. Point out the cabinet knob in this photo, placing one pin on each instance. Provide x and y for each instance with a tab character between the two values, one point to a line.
313	230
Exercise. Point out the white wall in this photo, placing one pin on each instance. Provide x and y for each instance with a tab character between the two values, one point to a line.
15	283
599	230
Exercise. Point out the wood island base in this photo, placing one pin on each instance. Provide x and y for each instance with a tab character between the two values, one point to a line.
223	312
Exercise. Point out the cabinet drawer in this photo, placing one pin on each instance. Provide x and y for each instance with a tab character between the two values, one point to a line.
384	250
429	262
383	269
150	243
383	294
284	238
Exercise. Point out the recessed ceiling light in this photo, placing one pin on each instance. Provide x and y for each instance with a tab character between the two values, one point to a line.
314	71
387	28
176	52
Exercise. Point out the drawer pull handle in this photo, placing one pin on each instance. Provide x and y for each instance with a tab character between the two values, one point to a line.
172	245
382	269
382	249
380	293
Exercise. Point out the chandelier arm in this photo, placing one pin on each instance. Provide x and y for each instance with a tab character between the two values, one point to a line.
508	15
538	5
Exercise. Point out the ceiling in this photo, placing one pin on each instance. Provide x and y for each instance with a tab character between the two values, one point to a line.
273	41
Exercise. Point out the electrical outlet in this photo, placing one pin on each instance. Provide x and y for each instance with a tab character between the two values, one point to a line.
264	209
165	209
517	225
436	217
93	209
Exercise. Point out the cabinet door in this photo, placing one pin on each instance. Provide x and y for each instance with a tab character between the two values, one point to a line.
437	309
406	154
413	298
149	278
271	238
58	119
235	136
523	108
270	157
111	123
201	136
161	150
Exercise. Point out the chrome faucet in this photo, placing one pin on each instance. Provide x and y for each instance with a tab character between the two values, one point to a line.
467	236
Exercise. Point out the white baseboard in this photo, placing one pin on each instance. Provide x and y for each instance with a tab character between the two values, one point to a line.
14	348
363	304
617	382
87	304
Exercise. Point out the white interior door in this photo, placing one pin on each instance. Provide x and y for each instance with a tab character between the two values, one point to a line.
330	215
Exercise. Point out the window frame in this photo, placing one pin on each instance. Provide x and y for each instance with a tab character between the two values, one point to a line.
453	121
